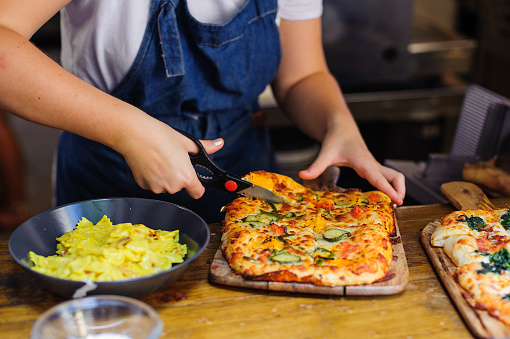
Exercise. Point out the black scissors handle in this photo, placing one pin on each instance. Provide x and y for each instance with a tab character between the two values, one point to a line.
213	176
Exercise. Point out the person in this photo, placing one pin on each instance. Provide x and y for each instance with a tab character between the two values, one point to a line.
134	71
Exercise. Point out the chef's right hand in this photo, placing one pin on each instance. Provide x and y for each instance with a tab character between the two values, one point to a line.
160	161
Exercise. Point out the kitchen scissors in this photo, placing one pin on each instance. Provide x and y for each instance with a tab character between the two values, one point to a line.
211	175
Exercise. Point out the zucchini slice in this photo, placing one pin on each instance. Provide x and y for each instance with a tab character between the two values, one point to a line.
285	258
252	223
342	203
264	217
335	234
251	259
324	253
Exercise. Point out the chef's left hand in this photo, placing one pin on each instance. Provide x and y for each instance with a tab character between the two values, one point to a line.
311	97
338	149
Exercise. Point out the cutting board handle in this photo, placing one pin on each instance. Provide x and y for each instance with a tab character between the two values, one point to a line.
466	196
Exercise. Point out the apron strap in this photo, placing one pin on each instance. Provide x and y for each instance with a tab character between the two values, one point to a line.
169	39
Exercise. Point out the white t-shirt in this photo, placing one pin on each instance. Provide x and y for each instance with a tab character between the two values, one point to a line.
101	38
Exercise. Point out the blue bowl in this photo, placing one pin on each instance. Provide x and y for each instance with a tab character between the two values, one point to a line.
39	234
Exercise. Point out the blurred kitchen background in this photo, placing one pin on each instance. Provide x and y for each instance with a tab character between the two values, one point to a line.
403	65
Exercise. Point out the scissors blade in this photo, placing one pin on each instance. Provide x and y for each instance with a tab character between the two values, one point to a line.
262	193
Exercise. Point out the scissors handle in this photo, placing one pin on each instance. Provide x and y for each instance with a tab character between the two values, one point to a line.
213	176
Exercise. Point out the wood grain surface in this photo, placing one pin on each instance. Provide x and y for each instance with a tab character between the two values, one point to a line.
466	196
221	273
195	307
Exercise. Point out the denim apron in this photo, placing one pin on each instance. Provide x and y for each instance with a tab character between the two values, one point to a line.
201	78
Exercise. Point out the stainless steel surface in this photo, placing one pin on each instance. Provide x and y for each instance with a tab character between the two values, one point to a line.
366	40
477	134
262	193
436	50
415	104
482	132
420	105
369	42
417	189
440	168
395	106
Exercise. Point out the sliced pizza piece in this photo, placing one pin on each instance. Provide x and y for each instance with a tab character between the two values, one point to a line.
348	199
488	283
358	216
273	252
351	255
238	209
462	249
478	223
257	212
280	185
358	208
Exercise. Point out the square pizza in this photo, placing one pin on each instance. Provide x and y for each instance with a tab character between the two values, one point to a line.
324	238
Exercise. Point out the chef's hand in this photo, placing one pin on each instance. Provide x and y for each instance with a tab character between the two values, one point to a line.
339	150
160	161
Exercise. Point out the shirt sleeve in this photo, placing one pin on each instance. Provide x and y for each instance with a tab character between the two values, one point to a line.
299	9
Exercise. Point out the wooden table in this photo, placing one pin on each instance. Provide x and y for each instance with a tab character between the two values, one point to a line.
195	308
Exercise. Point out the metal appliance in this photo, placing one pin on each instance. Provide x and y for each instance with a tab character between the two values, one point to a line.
390	60
483	131
378	44
366	41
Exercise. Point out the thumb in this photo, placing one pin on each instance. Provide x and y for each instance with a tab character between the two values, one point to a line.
315	169
212	146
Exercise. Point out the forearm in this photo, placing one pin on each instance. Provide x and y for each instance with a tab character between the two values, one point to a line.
305	89
36	88
316	106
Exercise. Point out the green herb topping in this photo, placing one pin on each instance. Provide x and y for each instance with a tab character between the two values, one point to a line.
505	220
474	223
498	262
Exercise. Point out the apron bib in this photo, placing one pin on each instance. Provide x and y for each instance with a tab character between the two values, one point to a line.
201	78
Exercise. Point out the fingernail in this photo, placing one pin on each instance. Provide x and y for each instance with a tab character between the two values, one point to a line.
218	142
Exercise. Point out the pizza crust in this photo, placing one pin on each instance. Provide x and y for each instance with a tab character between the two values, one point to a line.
461	249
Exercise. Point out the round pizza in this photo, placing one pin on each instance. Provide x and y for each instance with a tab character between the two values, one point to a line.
324	238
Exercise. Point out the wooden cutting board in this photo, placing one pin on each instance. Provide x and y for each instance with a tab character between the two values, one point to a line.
466	196
462	195
398	274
